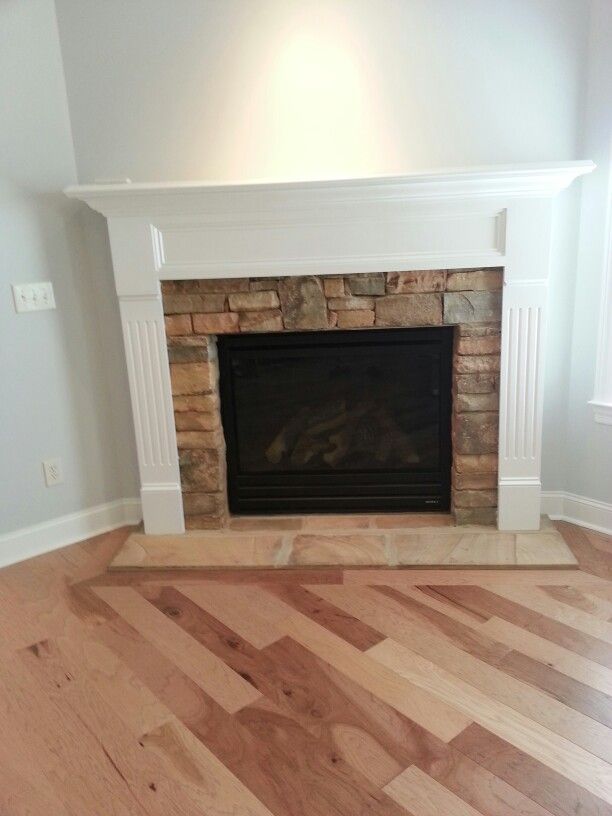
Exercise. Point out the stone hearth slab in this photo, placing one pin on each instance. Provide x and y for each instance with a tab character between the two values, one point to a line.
345	541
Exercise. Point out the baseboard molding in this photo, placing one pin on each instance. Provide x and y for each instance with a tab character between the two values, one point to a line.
590	513
60	532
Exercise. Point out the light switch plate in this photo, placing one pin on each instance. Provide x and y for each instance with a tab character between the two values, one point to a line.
33	297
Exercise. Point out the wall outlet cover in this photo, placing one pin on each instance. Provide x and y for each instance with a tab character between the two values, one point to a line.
52	468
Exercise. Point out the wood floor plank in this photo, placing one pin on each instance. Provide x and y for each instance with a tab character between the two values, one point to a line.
580	599
530	701
226	687
549	788
551	654
423	796
483	600
558	753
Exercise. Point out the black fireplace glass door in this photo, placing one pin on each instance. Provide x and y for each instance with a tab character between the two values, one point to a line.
332	421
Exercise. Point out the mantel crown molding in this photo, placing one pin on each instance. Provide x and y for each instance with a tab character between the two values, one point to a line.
176	198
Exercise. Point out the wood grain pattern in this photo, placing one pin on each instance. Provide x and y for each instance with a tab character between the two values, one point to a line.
307	692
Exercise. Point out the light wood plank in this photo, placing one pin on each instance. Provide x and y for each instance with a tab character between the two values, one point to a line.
555	751
423	796
230	690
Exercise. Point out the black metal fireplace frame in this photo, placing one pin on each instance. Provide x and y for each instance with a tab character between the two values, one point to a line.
321	492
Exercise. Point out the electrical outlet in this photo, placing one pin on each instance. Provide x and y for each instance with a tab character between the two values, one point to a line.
33	297
52	469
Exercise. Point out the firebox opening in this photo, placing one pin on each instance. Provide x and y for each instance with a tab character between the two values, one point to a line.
355	421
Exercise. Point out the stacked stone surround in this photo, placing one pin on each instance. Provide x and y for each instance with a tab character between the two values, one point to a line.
198	310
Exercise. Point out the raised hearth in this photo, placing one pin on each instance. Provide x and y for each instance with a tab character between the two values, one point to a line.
492	217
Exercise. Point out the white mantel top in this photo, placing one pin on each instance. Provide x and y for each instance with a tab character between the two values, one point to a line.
493	216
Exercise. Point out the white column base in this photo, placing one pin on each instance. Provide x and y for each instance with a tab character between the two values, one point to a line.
519	504
162	509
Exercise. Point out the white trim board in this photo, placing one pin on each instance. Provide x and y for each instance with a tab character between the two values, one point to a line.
65	530
590	513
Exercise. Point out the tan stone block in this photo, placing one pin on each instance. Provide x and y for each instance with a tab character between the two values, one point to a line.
460	280
200	403
480	463
359	318
263	284
333	287
221	323
475	365
490	344
471	307
478	329
253	301
474	481
266	321
205	286
201	471
178	324
204	503
476	383
332	319
194	440
191	378
429	280
303	303
189	348
366	283
476	515
409	310
475	432
476	402
475	498
196	421
183	304
343	304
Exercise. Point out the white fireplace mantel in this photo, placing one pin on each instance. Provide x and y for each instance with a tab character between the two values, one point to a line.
497	216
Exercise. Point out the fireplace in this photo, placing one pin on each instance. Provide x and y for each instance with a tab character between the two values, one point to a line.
337	421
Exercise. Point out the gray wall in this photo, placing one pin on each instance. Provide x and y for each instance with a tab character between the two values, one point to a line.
54	377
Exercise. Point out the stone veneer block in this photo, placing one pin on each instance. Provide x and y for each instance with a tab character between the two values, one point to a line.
485	363
357	319
476	383
333	287
196	440
177	324
253	301
196	420
263	284
368	283
490	344
203	402
475	515
460	280
430	280
205	286
266	321
201	471
222	323
476	432
348	303
409	310
191	378
303	303
187	353
474	481
198	503
476	402
480	463
471	307
185	304
475	498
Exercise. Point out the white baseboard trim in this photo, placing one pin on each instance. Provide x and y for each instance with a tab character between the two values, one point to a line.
590	513
60	532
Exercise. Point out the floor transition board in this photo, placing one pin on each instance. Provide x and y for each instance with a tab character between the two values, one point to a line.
306	692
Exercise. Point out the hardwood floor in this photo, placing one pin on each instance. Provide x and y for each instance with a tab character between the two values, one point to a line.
314	692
